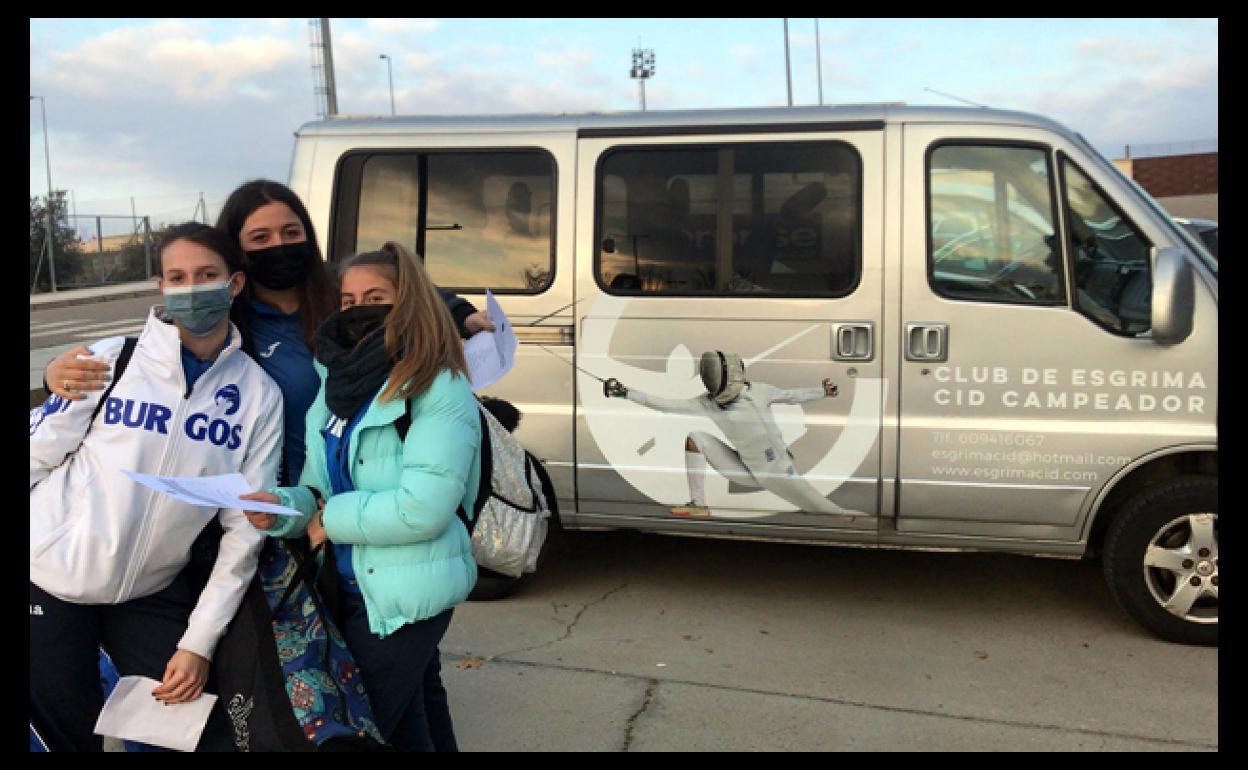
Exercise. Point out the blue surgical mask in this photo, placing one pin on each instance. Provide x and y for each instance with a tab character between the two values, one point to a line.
198	308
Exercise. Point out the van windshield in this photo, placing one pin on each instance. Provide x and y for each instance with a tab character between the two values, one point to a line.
1197	247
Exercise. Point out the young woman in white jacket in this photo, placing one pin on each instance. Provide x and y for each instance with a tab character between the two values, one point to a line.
106	554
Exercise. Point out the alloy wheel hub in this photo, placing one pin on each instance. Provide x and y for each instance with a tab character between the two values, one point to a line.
1181	567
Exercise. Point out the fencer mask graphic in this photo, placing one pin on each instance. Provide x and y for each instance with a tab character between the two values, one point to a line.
723	374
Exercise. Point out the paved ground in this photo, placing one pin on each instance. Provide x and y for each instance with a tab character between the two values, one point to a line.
68	319
638	643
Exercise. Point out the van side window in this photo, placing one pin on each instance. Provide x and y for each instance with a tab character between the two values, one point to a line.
991	225
1113	280
482	220
775	218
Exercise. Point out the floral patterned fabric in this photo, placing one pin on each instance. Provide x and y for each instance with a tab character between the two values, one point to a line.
324	685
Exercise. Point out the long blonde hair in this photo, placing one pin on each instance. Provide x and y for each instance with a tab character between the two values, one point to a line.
420	333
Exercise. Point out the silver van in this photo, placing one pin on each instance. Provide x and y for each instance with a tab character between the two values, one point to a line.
876	326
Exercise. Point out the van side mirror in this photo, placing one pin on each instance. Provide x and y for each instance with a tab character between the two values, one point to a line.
1174	297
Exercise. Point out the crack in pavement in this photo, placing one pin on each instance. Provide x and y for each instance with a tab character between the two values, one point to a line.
567	631
856	704
651	686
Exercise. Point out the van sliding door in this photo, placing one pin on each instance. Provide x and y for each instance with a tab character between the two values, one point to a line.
698	251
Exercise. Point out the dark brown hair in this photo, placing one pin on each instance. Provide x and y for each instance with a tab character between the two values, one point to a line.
318	295
209	237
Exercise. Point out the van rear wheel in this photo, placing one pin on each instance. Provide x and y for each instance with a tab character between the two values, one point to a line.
1161	559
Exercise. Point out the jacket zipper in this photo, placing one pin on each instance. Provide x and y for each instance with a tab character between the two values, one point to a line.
139	552
167	462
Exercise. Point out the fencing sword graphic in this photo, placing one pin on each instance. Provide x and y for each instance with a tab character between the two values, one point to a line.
622	436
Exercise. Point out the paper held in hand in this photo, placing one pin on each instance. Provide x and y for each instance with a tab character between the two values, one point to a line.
132	714
491	355
210	491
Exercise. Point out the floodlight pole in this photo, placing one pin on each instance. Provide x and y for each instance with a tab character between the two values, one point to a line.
643	69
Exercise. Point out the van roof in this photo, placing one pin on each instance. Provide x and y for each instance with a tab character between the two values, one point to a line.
608	123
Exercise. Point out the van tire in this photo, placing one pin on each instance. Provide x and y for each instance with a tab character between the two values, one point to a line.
1161	517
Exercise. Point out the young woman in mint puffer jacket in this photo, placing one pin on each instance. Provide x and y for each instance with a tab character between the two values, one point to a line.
388	507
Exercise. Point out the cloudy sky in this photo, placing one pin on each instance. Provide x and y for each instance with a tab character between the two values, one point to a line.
163	109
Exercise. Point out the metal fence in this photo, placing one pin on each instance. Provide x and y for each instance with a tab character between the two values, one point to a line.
1171	148
104	250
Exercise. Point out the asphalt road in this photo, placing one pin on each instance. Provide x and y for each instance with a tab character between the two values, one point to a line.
641	642
63	325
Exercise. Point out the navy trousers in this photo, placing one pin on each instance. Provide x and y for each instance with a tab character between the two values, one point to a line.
402	674
139	635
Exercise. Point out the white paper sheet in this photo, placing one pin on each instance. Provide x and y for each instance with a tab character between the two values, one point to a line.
210	491
132	714
491	355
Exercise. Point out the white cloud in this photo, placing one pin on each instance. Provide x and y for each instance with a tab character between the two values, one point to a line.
1119	50
417	61
568	60
745	55
167	57
1176	101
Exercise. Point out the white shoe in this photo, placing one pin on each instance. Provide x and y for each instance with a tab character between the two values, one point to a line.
692	511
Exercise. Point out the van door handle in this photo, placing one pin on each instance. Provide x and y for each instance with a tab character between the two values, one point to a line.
853	341
927	342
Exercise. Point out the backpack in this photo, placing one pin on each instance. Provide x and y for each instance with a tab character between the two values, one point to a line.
285	677
511	512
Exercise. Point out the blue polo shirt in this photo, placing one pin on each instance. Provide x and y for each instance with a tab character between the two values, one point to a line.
284	356
192	367
337	435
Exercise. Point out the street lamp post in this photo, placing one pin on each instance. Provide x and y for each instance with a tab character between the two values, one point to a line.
47	157
788	71
818	63
390	72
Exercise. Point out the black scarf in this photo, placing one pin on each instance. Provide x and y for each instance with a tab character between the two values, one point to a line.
351	344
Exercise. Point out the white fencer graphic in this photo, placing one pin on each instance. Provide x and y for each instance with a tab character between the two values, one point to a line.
758	457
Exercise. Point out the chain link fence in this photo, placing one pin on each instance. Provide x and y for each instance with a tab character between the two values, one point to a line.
1171	148
101	251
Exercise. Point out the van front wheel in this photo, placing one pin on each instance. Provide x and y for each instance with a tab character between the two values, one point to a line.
1161	559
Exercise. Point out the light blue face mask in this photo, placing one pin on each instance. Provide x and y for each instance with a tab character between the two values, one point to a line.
198	308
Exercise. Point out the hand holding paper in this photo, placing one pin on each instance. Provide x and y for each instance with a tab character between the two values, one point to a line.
491	355
131	713
210	491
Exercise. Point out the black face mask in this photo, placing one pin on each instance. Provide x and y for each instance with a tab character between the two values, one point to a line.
352	346
279	267
357	322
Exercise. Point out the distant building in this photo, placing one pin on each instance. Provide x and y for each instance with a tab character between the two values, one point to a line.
1186	185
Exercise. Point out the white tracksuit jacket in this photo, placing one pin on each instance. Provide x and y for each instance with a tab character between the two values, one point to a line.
97	536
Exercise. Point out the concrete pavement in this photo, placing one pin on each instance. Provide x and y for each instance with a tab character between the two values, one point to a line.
55	299
628	642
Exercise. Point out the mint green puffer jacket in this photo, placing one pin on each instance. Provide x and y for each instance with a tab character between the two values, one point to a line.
411	555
